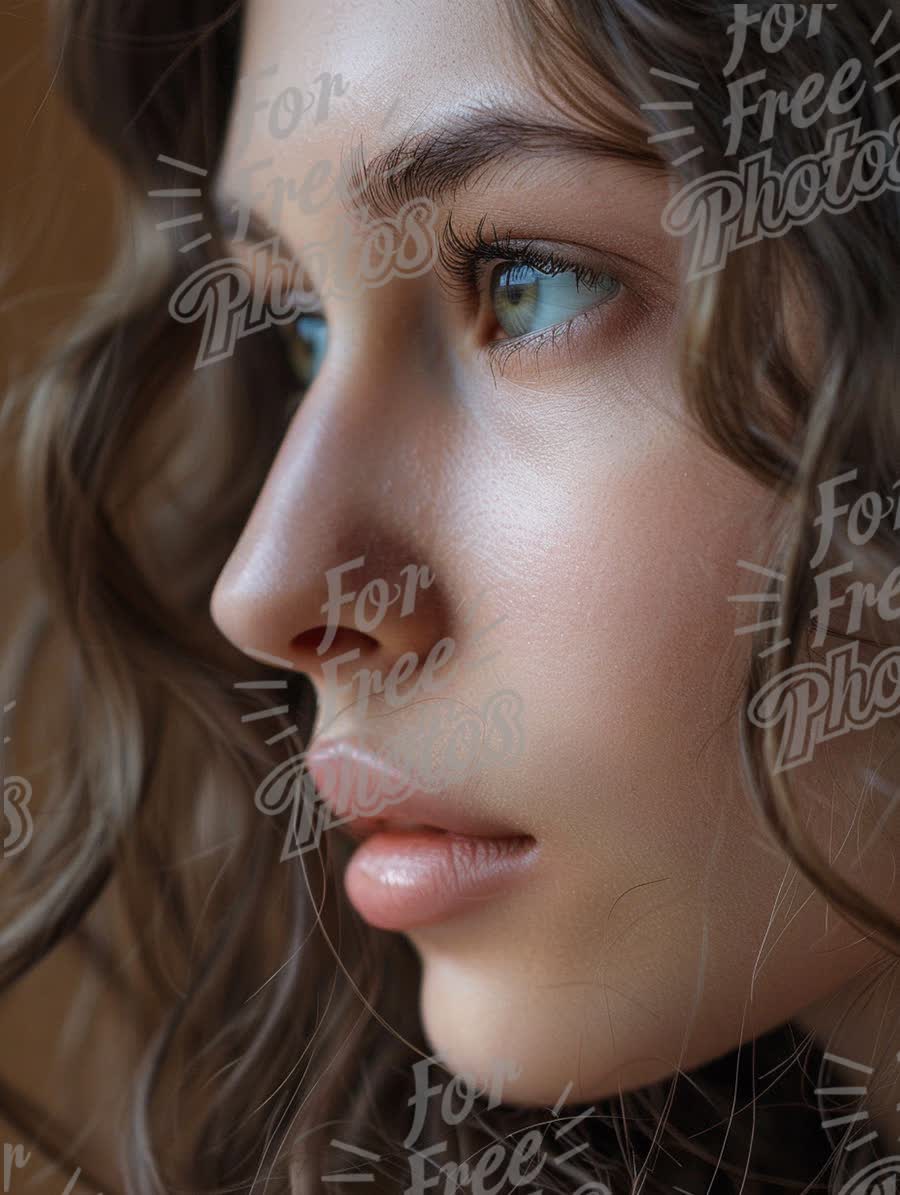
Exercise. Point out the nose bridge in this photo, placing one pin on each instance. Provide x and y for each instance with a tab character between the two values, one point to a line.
340	550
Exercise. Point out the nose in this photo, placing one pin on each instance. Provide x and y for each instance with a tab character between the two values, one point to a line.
338	566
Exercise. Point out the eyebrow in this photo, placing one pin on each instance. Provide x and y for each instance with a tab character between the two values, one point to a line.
438	163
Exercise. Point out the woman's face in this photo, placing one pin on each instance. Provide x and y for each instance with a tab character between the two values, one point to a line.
521	435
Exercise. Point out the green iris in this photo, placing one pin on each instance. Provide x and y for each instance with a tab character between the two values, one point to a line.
526	299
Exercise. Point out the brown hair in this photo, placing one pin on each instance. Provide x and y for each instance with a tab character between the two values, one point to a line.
264	1024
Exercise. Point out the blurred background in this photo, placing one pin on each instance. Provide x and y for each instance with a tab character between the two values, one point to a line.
56	208
57	219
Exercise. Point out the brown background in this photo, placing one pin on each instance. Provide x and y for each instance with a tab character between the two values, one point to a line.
56	221
56	209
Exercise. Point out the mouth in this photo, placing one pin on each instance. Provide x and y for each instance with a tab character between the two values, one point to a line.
422	857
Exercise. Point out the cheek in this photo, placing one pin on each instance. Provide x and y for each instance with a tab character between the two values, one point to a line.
635	677
632	665
660	902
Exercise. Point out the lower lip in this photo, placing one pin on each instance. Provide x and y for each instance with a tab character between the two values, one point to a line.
406	879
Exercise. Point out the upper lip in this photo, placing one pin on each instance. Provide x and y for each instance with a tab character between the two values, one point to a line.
425	809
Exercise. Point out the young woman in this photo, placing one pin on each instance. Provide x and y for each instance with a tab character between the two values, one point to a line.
549	534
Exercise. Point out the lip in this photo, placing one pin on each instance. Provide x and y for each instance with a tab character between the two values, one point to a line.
422	857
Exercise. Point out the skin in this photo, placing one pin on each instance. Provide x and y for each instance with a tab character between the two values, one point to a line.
568	497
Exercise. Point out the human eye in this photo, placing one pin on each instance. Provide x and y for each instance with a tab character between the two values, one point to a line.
526	293
295	314
306	343
526	298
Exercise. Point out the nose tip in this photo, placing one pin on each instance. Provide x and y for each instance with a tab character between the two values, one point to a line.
357	673
319	581
329	623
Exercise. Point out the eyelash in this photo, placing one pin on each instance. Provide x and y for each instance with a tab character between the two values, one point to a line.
462	256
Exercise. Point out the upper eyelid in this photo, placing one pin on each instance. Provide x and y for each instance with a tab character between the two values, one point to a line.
637	275
551	262
259	231
646	284
627	288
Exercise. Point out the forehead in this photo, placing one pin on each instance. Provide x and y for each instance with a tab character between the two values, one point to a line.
402	64
329	88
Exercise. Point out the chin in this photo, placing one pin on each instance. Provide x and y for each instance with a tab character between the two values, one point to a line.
535	1044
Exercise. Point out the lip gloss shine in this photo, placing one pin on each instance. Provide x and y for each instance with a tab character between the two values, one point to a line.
406	878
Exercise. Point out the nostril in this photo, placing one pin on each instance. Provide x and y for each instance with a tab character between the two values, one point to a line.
342	640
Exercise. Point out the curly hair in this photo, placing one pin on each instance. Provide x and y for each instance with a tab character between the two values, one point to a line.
264	1024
